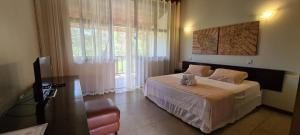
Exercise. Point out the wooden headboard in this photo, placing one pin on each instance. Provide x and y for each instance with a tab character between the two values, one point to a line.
268	78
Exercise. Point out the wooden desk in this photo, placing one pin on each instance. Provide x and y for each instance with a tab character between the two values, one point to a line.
65	114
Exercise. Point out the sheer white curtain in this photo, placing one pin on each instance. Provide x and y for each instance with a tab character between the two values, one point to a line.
92	51
153	34
113	39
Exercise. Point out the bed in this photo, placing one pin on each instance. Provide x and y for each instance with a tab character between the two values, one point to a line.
209	105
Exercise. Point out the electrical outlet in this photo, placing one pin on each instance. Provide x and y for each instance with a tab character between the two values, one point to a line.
250	62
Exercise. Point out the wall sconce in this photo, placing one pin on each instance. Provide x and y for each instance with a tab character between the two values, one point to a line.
267	15
188	29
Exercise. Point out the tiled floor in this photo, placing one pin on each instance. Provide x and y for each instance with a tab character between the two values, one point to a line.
140	116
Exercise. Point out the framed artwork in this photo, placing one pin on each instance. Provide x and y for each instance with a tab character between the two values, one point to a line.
239	39
205	41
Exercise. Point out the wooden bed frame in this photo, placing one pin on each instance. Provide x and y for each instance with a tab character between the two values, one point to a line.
268	78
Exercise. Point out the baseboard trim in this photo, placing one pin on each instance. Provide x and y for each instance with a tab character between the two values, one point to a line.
276	109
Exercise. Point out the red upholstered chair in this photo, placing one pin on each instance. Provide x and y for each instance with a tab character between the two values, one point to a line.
103	117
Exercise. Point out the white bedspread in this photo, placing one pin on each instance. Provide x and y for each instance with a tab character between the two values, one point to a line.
197	110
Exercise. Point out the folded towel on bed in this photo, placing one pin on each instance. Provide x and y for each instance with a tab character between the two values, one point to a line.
188	79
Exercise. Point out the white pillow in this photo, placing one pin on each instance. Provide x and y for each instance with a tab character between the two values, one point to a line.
227	75
200	70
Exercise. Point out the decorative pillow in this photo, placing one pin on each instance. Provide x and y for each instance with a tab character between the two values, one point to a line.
227	75
188	79
210	72
199	70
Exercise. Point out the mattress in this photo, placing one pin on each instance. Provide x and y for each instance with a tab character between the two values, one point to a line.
209	105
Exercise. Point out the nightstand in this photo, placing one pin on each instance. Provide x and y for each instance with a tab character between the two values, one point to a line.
178	71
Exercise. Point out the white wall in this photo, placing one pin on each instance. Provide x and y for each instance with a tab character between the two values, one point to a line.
18	49
279	45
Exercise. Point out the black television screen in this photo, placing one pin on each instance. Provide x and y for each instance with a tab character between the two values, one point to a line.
43	78
45	69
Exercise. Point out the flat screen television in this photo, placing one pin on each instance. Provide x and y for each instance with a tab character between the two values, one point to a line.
42	87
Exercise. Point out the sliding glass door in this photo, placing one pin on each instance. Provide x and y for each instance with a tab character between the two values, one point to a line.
131	34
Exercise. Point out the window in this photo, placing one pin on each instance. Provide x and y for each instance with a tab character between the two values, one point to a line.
90	40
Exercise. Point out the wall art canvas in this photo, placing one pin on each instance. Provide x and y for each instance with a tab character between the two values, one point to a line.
239	39
205	41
